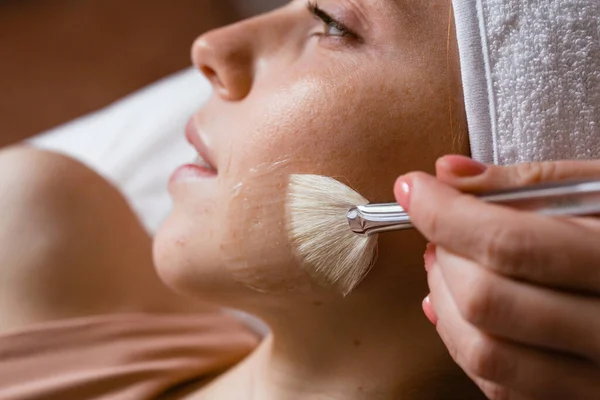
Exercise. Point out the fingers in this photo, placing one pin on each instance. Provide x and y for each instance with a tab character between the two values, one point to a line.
494	391
520	312
494	274
496	364
521	245
467	175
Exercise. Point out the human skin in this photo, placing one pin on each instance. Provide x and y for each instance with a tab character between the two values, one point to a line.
296	95
514	295
71	246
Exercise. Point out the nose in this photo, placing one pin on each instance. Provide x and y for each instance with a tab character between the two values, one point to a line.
226	57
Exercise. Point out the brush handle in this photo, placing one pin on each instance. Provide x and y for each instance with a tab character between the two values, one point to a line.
376	218
561	199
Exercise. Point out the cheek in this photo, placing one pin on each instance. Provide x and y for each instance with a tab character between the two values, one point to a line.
235	239
256	247
363	132
359	128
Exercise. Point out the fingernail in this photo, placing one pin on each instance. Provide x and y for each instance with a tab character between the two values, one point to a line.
429	256
402	191
461	166
429	311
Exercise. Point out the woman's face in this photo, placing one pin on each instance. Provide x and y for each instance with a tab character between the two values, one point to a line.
359	90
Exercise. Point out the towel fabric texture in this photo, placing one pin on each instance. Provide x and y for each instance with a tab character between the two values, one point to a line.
531	78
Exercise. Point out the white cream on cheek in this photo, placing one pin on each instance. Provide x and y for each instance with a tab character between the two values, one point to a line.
255	246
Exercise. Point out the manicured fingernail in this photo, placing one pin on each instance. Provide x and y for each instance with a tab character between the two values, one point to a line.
461	167
402	191
429	256
429	311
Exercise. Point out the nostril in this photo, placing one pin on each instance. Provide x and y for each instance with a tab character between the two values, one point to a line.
226	65
211	75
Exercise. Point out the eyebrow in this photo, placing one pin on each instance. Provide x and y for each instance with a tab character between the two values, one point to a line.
362	18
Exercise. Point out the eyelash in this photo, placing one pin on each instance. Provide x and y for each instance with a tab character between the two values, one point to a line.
330	22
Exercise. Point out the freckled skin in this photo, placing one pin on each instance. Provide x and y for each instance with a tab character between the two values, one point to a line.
363	112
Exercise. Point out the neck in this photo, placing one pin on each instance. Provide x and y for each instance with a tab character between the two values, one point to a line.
370	355
356	348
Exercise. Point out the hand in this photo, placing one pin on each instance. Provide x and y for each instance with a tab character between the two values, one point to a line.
515	296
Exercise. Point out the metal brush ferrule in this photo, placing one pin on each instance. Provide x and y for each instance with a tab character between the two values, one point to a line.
375	218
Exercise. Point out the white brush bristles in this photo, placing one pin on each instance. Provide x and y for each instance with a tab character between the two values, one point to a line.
318	229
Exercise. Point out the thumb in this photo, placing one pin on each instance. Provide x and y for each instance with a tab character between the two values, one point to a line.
468	175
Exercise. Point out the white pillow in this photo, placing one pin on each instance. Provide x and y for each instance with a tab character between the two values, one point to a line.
137	142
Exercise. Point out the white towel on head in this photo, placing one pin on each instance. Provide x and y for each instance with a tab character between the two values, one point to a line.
531	77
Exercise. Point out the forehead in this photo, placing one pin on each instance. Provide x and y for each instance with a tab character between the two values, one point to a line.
411	11
418	4
407	20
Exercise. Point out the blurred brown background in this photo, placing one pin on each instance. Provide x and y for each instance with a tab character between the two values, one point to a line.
60	59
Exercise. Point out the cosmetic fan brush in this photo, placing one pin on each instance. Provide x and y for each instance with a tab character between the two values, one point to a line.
334	229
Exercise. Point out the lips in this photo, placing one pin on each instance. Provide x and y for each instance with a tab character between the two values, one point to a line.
204	158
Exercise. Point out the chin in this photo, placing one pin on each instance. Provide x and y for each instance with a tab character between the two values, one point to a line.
168	254
171	256
189	261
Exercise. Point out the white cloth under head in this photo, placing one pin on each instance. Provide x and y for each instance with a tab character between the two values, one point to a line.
531	78
137	142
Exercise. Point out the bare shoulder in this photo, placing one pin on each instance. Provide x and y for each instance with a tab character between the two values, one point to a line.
70	245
